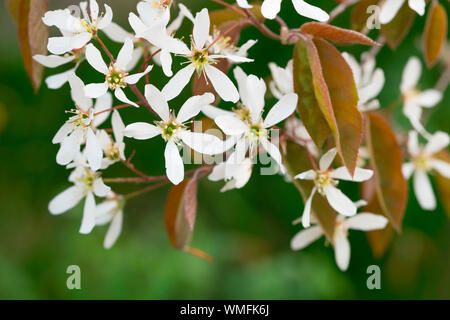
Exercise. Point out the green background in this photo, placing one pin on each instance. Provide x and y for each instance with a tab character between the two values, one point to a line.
247	231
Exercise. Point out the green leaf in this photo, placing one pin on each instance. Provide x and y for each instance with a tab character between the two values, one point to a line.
386	160
435	33
296	161
308	105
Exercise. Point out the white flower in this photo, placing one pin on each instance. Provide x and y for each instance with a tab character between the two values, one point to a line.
53	61
369	81
114	149
246	123
86	184
116	76
244	4
391	7
236	174
270	9
298	130
76	31
174	132
422	162
364	221
413	99
282	79
325	182
110	211
80	127
198	57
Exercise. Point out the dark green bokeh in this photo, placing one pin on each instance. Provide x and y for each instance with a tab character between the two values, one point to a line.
247	231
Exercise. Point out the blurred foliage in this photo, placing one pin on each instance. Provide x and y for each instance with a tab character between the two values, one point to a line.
247	231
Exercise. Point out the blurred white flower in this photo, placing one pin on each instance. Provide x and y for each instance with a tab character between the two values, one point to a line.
423	161
236	175
369	81
244	4
116	75
282	79
110	211
76	31
414	99
87	183
270	9
364	221
325	182
296	127
391	7
174	132
114	149
80	128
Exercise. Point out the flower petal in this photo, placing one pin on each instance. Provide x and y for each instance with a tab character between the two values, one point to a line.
201	28
273	150
306	237
306	216
114	230
231	125
437	142
281	110
56	81
93	150
125	54
141	131
116	33
157	101
423	190
270	8
327	159
342	251
77	92
359	175
53	61
95	59
307	175
134	78
389	10
120	95
96	90
193	106
66	200
202	142
339	201
70	146
177	83
222	84
442	167
412	71
418	6
105	21
408	169
429	98
100	189
88	221
366	222
310	11
174	163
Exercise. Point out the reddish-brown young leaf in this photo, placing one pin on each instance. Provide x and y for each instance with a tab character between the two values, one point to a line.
443	183
308	105
395	31
296	161
219	17
339	102
379	240
386	161
359	14
190	200
33	35
435	33
336	34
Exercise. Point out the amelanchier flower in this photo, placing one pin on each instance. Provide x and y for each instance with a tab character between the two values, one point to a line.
76	31
116	75
296	127
110	211
414	99
390	9
369	81
114	149
80	128
282	79
247	125
87	183
199	59
364	221
174	132
423	161
236	175
270	9
325	182
244	4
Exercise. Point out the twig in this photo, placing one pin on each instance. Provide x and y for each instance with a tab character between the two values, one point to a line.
105	49
145	190
116	107
340	8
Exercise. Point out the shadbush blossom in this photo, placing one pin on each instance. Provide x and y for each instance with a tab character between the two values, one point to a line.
390	8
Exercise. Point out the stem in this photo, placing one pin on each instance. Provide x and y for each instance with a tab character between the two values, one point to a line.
132	168
142	99
145	190
340	8
223	34
114	108
147	60
105	49
229	6
262	27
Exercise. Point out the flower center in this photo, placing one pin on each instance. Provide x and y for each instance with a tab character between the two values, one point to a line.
170	129
411	94
199	59
88	26
243	112
112	153
324	179
80	119
116	78
421	162
89	178
160	3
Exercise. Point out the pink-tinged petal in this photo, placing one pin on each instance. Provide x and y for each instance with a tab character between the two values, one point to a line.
125	54
193	106
134	78
270	8
310	11
411	73
366	222
88	220
306	216
114	230
141	131
327	159
202	142
307	175
437	142
306	237
177	83
96	90
339	201
389	10
157	101
442	167
423	190
120	95
342	251
281	110
231	125
222	84
174	163
201	28
66	200
93	150
52	61
360	174
95	59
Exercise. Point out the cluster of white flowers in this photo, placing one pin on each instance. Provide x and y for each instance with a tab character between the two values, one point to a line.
86	148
